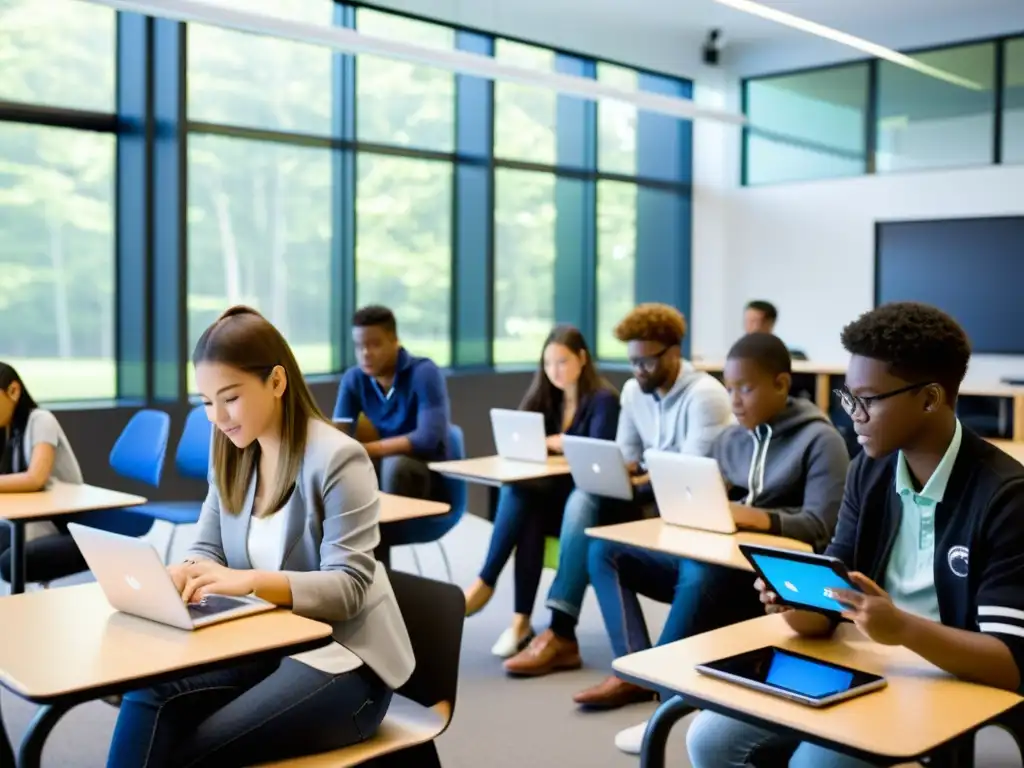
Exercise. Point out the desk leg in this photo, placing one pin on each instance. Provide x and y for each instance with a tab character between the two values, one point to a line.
30	754
17	557
6	753
652	752
959	754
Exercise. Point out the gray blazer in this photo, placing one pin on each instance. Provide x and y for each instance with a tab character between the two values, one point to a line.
330	534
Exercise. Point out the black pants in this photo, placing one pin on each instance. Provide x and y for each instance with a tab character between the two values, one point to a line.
46	558
255	713
406	476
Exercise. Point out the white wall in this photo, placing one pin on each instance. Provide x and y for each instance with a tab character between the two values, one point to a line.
809	247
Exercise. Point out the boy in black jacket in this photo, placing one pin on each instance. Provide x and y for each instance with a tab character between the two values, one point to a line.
932	525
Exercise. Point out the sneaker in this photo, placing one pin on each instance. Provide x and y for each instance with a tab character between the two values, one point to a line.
510	643
629	740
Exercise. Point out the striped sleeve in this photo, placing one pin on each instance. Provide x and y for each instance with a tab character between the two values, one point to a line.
1000	596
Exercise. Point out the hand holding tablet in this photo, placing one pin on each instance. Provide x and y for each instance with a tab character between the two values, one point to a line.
800	579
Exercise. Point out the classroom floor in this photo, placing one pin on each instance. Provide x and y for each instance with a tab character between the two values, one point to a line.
537	723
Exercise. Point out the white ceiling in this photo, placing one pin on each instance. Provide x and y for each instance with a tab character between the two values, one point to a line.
670	32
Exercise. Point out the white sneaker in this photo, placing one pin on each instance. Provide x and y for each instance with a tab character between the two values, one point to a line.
630	740
509	644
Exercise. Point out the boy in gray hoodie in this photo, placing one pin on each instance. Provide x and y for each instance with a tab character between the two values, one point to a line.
785	467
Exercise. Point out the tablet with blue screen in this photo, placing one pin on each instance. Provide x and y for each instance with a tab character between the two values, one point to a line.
793	676
800	579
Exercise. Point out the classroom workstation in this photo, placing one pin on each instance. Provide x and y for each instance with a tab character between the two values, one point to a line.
410	383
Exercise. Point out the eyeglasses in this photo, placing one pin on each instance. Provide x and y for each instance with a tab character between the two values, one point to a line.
649	363
853	403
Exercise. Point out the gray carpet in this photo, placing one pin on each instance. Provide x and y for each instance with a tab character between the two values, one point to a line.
499	722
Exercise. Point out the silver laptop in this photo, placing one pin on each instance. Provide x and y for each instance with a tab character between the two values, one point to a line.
689	491
519	435
135	581
597	466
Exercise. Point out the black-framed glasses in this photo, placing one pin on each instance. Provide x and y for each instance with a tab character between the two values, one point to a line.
852	403
649	363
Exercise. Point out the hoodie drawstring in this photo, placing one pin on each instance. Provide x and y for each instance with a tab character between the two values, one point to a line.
755	476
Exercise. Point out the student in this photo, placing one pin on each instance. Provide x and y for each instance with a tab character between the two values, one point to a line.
575	400
33	451
760	316
784	465
667	405
930	525
406	401
291	516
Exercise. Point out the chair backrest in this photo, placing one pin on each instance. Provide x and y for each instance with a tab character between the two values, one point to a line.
434	612
192	459
140	450
458	491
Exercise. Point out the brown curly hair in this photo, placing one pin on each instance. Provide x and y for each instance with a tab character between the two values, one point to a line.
653	322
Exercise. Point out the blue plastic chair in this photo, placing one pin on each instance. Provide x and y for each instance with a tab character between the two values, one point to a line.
138	454
192	460
430	529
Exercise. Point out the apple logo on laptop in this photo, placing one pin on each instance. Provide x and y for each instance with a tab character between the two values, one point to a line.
595	468
790	586
133	582
515	437
689	494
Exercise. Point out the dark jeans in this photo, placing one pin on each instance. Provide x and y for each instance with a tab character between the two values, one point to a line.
47	558
526	514
406	476
255	713
703	597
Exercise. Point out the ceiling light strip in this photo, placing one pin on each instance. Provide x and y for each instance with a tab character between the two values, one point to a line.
879	51
350	41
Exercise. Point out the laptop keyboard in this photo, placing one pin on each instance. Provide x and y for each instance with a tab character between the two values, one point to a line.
214	604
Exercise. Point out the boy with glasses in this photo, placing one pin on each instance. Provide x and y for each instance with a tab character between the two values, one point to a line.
667	405
931	526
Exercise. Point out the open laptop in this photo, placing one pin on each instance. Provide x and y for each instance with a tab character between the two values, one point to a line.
519	435
597	466
689	491
135	581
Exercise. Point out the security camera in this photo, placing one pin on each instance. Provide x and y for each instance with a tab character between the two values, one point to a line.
713	45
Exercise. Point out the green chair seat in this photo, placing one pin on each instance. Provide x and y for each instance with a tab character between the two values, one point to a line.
551	553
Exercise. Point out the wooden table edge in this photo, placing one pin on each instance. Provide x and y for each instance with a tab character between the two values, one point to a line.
81	695
719	708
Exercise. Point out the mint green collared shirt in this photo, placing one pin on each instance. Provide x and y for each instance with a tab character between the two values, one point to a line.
910	574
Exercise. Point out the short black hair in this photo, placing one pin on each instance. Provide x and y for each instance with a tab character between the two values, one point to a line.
375	315
919	342
764	349
766	308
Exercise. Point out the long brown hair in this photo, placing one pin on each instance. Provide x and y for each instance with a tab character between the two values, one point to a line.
543	396
243	339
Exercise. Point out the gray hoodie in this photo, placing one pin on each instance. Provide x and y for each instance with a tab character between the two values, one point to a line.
687	419
793	467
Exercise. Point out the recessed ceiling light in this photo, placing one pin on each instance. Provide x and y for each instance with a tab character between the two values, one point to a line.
879	51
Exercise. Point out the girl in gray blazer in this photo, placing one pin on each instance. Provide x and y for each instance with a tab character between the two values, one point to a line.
291	516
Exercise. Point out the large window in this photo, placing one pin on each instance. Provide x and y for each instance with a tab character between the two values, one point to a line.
524	263
403	247
1013	102
939	119
809	125
616	262
399	102
154	173
262	82
259	233
57	258
524	117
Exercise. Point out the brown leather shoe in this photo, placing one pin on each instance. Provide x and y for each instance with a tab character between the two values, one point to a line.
612	693
546	653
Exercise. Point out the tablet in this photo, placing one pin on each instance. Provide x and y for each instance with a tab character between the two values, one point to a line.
800	579
793	676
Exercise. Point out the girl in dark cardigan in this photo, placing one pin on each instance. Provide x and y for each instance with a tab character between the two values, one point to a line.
575	400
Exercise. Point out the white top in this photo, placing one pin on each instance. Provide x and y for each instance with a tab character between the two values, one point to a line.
42	428
266	545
